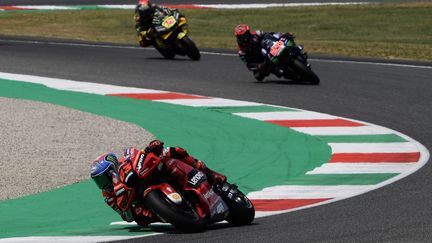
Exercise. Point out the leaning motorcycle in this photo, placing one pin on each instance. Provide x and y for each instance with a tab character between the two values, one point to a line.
171	36
188	202
290	59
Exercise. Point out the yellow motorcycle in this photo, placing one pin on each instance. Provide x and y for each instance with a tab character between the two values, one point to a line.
171	36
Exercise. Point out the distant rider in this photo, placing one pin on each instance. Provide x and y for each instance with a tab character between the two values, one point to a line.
144	14
250	50
116	179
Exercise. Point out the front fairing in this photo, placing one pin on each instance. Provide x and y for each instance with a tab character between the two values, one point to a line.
166	24
210	202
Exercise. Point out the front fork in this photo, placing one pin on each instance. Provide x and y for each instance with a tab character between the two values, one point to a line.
303	55
184	28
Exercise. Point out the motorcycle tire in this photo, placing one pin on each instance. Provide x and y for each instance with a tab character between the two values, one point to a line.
241	209
190	48
304	72
182	218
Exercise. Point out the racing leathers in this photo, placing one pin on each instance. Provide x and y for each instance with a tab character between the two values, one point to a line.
127	186
250	52
253	54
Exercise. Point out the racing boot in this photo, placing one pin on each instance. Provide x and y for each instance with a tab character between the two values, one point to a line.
143	216
213	176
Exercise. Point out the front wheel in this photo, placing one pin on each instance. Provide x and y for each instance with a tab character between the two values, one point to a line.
304	72
181	217
241	209
190	48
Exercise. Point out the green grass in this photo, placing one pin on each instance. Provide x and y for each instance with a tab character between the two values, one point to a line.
400	31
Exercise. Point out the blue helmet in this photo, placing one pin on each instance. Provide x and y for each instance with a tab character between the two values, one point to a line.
102	168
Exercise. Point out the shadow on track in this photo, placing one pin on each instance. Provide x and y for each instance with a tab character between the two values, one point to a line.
169	229
284	82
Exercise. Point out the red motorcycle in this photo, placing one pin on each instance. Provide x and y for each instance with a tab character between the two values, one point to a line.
182	196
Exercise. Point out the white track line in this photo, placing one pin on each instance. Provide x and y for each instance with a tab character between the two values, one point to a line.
403	147
70	239
212	102
286	115
77	86
305	192
361	168
362	130
274	5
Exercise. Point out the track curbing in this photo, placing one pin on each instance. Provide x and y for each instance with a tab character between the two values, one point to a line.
273	200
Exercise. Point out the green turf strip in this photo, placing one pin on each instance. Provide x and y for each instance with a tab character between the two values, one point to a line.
339	179
386	138
241	109
63	212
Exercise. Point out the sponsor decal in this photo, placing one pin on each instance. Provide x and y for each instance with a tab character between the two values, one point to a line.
196	178
140	162
220	208
128	176
208	194
169	22
175	197
120	191
165	151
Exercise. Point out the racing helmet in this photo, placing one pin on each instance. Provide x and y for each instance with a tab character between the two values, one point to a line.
242	33
144	8
102	168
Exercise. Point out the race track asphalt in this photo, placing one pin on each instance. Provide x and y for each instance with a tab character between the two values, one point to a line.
397	97
93	2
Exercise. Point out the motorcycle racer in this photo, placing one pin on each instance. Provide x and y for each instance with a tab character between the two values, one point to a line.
119	182
250	50
144	13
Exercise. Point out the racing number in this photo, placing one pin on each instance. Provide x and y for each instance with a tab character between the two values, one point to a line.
169	22
276	48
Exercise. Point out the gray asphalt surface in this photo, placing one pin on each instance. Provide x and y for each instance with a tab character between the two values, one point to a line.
93	2
392	96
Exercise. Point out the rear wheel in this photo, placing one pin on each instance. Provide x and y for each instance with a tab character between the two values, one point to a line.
190	48
181	217
304	72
